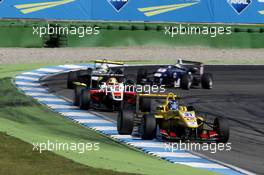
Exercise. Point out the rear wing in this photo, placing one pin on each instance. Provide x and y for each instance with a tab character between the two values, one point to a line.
157	96
193	64
109	62
108	75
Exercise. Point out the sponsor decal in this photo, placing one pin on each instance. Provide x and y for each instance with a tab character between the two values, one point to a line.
261	11
156	10
34	7
117	4
239	6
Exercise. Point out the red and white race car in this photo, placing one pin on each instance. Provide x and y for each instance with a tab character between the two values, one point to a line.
105	92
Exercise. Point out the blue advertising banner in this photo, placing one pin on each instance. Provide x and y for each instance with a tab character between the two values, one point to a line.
209	11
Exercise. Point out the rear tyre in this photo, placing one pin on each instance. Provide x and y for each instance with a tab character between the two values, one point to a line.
221	127
76	95
148	127
125	122
207	81
141	74
85	99
186	82
72	77
119	71
145	104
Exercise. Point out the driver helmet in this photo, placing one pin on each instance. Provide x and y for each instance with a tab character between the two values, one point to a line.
173	105
104	67
112	81
178	63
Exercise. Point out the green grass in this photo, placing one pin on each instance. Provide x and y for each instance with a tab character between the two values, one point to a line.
18	158
23	118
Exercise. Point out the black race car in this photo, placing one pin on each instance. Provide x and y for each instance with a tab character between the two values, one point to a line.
184	74
100	67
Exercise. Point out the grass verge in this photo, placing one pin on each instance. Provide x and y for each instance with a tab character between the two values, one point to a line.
18	158
23	118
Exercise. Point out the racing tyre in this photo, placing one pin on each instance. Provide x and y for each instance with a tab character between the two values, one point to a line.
148	127
141	74
119	71
85	99
186	82
207	81
72	77
84	72
76	95
125	122
145	104
89	71
221	127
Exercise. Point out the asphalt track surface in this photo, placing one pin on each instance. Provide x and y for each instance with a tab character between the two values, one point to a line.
237	95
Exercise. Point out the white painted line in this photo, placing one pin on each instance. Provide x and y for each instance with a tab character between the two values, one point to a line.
50	70
174	154
202	165
38	93
102	116
222	163
147	144
33	89
122	136
62	106
27	78
27	83
92	121
77	114
50	99
33	73
104	128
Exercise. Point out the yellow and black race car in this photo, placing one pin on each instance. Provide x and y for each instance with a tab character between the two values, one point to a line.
170	120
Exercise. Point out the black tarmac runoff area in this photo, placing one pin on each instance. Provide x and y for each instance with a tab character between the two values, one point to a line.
237	95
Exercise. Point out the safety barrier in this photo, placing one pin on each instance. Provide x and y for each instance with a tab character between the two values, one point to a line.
195	11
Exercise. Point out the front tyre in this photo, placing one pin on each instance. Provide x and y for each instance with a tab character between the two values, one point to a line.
145	104
207	81
221	127
148	127
85	99
72	77
186	82
141	74
125	122
76	95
